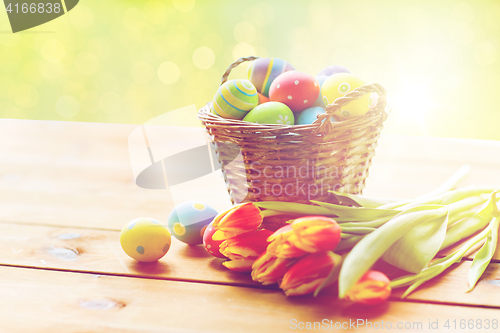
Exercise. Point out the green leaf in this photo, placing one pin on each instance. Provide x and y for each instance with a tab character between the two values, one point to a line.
417	247
361	201
372	246
357	213
484	255
356	230
480	220
294	208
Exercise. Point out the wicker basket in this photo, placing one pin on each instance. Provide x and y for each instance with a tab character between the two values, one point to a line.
296	163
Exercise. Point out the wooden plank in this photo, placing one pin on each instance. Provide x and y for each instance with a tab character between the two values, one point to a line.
47	301
452	285
79	174
98	251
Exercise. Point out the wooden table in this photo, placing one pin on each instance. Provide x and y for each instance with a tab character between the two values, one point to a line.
66	189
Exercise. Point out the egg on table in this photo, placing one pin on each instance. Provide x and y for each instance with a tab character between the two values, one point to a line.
338	85
309	116
296	89
234	99
212	246
145	239
263	71
271	113
187	221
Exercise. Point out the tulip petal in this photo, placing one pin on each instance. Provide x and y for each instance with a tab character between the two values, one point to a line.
373	288
250	244
268	269
309	273
240	265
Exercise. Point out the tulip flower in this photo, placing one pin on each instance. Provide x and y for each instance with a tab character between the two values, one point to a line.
305	235
315	233
269	269
373	288
244	249
237	220
309	273
281	247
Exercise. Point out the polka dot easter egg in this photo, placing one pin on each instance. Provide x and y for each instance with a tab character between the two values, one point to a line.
340	84
188	221
262	72
309	116
145	239
296	89
234	99
212	246
271	113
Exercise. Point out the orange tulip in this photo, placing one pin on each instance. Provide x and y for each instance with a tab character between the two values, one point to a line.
237	220
269	269
315	233
281	247
373	288
244	249
309	273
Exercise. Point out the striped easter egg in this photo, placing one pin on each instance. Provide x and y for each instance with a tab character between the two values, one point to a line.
263	71
234	99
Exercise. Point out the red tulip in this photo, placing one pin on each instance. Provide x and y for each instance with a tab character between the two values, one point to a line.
373	288
315	233
269	269
237	220
244	249
309	273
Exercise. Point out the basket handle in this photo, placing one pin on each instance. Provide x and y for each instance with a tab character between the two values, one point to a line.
326	126
234	65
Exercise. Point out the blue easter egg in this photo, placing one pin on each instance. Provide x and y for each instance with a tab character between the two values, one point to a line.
319	101
187	221
308	116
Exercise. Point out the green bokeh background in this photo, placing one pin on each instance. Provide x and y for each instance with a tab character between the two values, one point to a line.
128	61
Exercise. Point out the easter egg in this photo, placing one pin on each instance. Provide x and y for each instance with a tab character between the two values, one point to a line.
187	221
333	69
234	99
340	84
212	246
271	113
309	116
319	100
145	239
296	89
262	99
263	71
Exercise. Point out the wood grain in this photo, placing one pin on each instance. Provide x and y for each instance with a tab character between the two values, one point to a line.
48	301
99	252
79	174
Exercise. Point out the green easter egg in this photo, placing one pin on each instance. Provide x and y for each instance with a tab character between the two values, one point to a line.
271	113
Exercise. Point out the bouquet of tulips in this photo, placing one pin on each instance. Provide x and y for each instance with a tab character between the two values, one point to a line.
328	243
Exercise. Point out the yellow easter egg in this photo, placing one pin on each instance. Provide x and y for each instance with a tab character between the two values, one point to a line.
145	239
340	84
